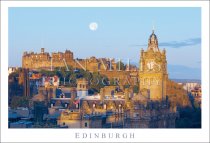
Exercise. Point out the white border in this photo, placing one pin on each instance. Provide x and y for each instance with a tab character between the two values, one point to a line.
141	135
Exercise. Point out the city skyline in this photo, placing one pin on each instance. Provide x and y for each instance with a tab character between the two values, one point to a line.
58	29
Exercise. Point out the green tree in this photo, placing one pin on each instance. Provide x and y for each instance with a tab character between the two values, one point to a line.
97	81
126	86
136	89
47	73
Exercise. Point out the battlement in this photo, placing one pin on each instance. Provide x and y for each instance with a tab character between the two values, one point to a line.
45	60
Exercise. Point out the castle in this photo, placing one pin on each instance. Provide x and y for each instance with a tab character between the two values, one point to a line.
44	60
105	66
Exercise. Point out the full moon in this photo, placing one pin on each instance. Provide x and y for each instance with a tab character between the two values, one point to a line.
93	26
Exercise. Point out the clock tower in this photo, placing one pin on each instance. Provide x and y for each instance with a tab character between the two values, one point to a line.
153	70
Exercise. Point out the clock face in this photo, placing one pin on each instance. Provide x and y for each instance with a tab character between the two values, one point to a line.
151	65
157	67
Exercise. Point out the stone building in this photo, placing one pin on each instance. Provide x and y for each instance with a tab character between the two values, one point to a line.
196	93
146	113
153	75
73	119
153	70
82	87
24	80
105	66
44	60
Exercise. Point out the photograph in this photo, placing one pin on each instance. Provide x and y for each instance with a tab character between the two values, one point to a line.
104	67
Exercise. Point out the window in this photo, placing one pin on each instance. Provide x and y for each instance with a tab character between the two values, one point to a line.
86	124
136	115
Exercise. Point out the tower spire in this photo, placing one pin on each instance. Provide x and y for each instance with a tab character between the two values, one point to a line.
153	28
153	41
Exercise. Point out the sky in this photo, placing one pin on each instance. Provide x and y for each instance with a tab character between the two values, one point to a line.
121	33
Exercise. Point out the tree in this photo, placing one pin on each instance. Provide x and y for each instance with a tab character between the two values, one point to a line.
136	89
126	86
97	81
47	73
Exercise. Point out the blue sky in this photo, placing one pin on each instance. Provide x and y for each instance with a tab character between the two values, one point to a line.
121	33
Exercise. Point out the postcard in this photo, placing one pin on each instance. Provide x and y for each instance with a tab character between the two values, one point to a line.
104	71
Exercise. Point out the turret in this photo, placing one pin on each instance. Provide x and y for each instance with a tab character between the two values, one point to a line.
82	87
153	42
68	55
42	50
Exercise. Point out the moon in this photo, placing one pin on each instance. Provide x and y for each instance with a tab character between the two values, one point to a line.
93	26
